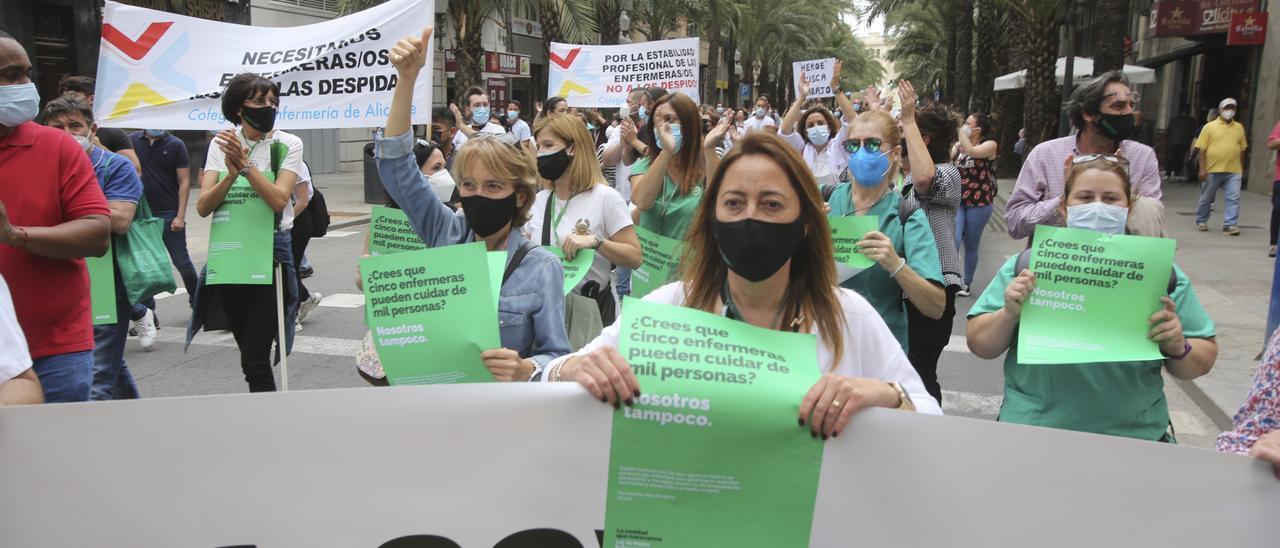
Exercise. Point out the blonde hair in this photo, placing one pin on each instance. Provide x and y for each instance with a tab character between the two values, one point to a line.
892	136
507	162
584	170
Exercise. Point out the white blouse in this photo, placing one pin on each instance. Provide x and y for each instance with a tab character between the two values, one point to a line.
870	350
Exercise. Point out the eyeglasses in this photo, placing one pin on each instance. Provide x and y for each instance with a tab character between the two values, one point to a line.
1107	158
260	102
873	144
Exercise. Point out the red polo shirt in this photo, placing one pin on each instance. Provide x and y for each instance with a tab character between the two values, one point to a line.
46	180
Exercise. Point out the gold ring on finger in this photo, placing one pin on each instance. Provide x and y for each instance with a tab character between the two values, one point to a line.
836	404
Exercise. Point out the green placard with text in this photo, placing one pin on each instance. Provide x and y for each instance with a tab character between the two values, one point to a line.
661	259
575	270
390	232
711	454
1094	296
241	237
432	313
102	286
846	232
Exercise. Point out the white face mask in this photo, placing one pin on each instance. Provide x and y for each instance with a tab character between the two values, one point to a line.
442	183
1099	217
1228	115
84	141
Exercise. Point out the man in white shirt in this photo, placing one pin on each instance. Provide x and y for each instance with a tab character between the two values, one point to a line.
477	118
760	120
519	128
18	382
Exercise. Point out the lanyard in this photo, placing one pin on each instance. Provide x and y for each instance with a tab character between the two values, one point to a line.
555	223
731	310
867	208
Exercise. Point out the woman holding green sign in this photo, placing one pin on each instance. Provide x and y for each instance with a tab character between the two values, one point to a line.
904	248
1119	399
760	252
498	181
578	210
247	186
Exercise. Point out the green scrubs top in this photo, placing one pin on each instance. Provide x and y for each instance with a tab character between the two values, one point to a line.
913	240
1118	399
672	212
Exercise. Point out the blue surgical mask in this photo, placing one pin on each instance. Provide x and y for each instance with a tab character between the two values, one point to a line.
675	136
19	104
513	115
759	112
719	110
818	135
480	115
591	126
153	133
1098	217
643	113
868	168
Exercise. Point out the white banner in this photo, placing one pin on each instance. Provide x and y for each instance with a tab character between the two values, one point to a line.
818	72
159	70
528	463
601	76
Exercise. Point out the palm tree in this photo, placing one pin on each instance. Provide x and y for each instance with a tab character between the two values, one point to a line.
562	21
964	52
989	48
1111	20
918	50
608	20
1040	21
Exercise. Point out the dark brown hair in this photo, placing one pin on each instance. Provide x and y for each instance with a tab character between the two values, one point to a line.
689	159
814	301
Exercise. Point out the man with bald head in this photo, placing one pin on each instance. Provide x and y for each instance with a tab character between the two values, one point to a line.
52	215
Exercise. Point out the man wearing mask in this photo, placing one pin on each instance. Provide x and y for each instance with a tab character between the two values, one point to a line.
761	119
62	219
476	120
120	183
519	128
166	179
444	133
1221	147
1102	112
115	140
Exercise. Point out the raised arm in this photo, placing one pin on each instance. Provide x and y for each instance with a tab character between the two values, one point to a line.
793	114
922	173
846	106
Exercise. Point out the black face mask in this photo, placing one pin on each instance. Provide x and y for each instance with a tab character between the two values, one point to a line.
262	119
755	249
1117	127
552	165
486	216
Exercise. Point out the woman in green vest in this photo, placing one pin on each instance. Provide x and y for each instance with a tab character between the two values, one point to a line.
1119	399
904	248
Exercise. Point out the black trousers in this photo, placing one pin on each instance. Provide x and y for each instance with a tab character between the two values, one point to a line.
926	337
1275	210
251	313
302	231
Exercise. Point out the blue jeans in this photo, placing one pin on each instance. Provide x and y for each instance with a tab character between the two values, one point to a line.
624	281
111	377
65	377
1230	185
970	223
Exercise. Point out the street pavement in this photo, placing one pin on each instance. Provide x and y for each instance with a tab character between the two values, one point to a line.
1231	275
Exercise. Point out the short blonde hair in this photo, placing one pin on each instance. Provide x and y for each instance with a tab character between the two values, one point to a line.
507	162
584	169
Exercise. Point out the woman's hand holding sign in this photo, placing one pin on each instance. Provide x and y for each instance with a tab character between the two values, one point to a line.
1017	293
602	372
1166	329
506	365
833	400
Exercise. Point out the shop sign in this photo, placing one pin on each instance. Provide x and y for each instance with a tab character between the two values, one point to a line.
1173	18
1247	29
510	64
1215	15
526	27
497	91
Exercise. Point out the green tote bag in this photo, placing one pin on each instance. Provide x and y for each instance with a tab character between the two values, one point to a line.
142	256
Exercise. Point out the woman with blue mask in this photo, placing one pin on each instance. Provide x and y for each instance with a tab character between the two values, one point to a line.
666	185
820	139
1121	399
903	248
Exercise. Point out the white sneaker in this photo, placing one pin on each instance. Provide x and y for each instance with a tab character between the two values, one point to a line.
147	330
305	308
964	292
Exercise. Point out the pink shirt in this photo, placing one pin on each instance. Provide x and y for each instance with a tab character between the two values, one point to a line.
1039	188
1261	410
1275	134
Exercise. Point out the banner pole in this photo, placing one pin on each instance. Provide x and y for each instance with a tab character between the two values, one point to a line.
280	343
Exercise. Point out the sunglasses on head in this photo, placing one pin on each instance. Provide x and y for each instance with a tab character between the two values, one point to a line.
873	145
1104	158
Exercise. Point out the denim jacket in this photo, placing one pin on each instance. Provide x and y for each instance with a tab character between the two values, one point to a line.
530	304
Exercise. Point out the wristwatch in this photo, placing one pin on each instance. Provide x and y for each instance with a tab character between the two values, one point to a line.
244	171
904	399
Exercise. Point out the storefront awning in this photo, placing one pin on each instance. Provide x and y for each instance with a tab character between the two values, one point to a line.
1181	53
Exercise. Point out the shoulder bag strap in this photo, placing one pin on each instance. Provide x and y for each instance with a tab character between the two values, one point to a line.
516	259
546	219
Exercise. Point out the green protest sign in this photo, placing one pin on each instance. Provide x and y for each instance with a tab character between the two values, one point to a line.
390	232
102	286
714	390
575	270
432	313
497	261
846	232
241	237
1094	296
661	258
